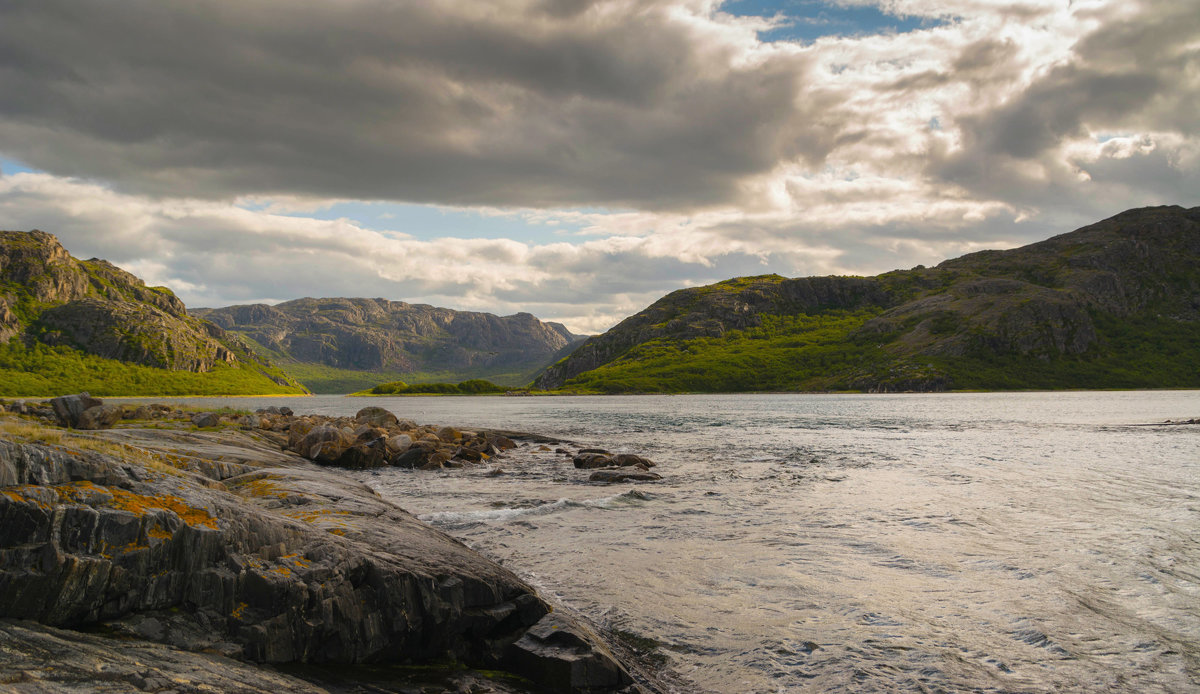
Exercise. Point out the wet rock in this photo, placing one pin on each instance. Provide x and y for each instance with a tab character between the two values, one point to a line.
68	408
449	434
376	417
631	474
587	461
565	656
501	442
99	417
205	419
628	459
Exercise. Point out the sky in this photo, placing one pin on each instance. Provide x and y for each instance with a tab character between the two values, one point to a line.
578	159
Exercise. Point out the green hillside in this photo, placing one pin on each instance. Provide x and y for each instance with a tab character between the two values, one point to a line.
68	325
1112	305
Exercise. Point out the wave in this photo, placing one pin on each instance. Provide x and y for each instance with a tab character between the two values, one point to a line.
464	518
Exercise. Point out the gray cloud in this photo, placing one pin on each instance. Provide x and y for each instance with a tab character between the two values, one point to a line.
548	103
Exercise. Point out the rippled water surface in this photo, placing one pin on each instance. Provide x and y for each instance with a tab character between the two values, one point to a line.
1029	542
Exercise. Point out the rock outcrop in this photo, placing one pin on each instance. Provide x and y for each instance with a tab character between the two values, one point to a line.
48	298
222	546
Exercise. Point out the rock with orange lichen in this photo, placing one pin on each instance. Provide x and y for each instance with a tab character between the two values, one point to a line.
264	557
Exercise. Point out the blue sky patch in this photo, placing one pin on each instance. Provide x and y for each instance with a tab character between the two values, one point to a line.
809	20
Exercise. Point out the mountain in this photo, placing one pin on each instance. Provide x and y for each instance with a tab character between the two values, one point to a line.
341	345
1112	305
68	325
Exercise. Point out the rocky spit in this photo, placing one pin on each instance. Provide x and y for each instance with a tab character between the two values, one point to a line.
144	548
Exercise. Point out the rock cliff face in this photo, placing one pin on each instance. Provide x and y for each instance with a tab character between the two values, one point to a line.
218	543
377	335
1052	300
49	297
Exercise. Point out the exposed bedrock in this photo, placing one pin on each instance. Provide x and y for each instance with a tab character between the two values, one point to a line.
278	562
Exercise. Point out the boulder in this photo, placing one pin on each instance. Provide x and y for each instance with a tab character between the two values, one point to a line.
399	443
563	655
100	417
68	407
615	475
587	461
629	459
206	419
449	434
376	417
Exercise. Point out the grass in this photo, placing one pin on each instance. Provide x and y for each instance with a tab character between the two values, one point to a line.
44	371
784	353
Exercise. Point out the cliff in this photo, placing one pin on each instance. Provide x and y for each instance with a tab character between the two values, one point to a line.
1114	304
341	344
55	309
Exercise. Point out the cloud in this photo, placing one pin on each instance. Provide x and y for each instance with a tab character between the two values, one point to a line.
625	103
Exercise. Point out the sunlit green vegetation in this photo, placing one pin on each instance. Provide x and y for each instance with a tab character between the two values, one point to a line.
784	353
476	386
43	371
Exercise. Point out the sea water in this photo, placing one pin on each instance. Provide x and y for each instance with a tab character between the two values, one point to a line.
1017	542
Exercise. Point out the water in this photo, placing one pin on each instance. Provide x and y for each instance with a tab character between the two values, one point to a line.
1026	542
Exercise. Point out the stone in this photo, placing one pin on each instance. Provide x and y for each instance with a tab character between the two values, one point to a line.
100	417
615	475
629	459
587	460
68	407
399	443
205	419
449	434
377	417
564	656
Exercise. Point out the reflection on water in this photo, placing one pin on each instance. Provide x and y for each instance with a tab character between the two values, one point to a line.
1027	542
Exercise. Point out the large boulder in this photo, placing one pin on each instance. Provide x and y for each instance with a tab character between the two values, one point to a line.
377	417
100	417
68	408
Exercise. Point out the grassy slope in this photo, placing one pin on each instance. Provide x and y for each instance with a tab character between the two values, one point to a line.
798	353
43	371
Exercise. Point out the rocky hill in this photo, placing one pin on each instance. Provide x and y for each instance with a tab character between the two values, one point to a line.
339	345
1115	304
67	323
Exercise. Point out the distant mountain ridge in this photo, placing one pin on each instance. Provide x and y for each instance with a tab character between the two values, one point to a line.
64	321
378	336
1114	304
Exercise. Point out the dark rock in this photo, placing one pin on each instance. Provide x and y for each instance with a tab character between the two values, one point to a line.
601	451
564	655
628	459
206	419
377	417
614	475
414	457
592	460
100	417
286	411
69	407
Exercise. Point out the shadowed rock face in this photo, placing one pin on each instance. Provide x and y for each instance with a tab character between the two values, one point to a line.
50	297
259	556
1037	301
377	334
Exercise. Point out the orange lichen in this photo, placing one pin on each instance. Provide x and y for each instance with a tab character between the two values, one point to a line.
134	503
238	609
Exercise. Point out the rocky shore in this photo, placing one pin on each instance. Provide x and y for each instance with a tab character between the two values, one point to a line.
209	551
